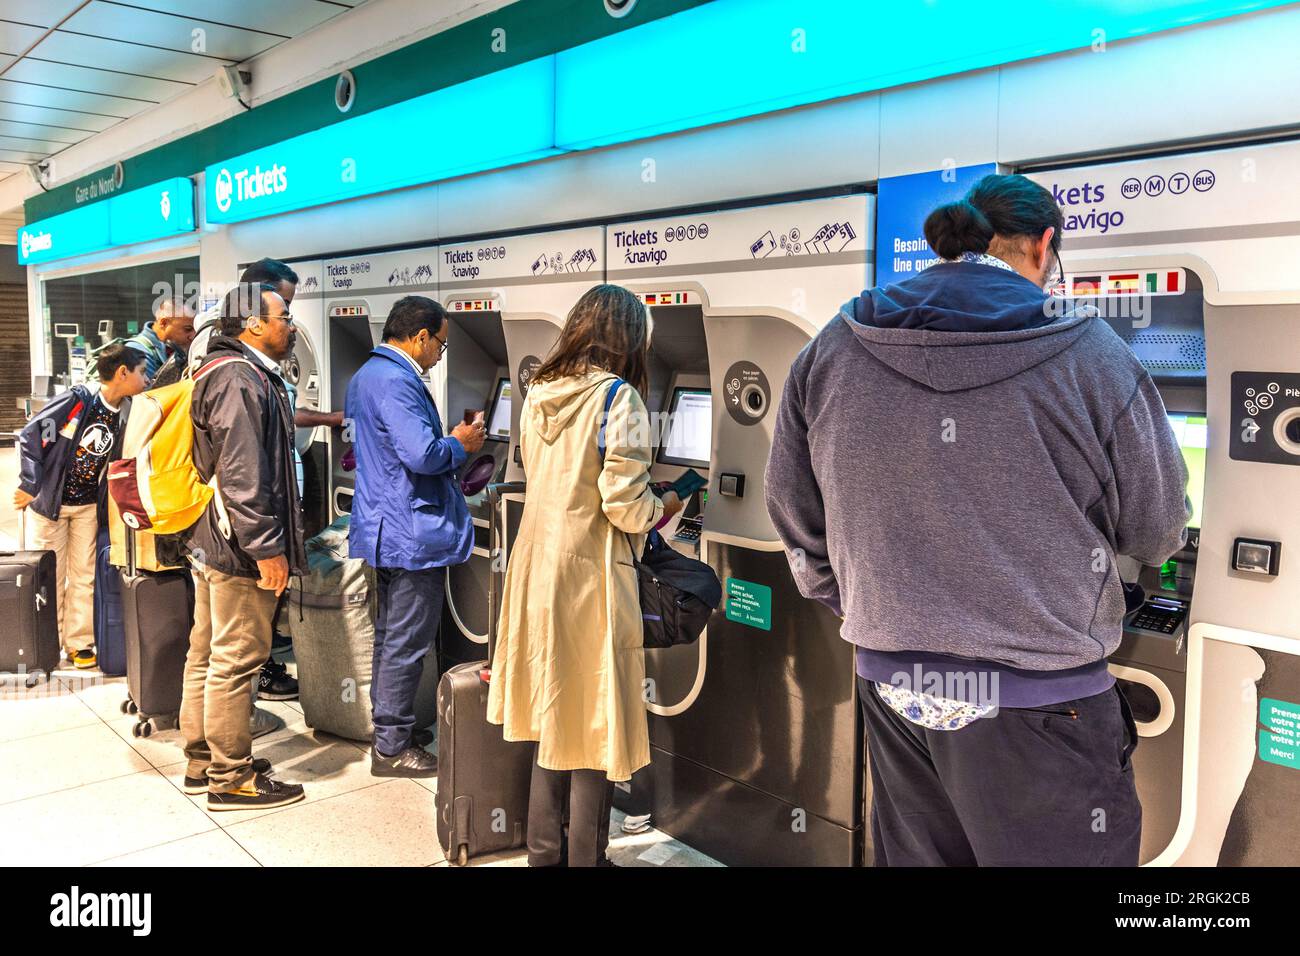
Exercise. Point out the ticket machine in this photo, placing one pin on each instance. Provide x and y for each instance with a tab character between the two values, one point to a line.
507	299
357	294
755	734
1159	312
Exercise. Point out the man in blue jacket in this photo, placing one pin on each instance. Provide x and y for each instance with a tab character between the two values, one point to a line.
409	518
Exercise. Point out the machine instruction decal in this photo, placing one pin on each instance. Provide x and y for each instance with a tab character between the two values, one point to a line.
812	228
1279	738
749	603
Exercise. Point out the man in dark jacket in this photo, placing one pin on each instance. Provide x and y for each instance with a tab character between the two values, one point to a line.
243	548
955	466
63	454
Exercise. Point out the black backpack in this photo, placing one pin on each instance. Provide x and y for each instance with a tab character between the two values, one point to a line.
678	594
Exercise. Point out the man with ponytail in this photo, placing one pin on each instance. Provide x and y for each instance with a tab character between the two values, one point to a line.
955	469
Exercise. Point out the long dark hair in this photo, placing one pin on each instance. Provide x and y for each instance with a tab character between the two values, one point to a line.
1010	207
606	329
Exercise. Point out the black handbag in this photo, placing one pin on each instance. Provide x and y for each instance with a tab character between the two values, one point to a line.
678	594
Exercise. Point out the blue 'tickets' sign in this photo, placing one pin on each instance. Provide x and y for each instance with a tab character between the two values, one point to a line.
442	134
152	212
902	203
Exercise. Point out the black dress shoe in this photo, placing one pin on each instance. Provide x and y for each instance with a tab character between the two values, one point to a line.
411	762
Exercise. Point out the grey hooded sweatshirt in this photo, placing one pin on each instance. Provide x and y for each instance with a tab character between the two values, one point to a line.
954	469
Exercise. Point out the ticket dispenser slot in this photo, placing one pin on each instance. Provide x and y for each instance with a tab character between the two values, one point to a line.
351	337
475	369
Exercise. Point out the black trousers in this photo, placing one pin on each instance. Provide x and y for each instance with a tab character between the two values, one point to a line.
568	817
1050	786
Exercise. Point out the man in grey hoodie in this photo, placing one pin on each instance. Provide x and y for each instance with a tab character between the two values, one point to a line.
956	466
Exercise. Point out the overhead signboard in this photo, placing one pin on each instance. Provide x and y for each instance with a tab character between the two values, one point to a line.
442	134
153	212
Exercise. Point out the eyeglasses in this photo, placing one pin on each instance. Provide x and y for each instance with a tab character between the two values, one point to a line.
287	318
1056	275
442	346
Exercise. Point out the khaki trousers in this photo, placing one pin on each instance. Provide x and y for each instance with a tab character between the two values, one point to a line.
72	539
229	643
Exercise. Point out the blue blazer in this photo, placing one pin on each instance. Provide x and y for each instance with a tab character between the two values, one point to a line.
407	509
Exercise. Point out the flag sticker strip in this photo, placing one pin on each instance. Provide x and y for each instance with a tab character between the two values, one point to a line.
1144	282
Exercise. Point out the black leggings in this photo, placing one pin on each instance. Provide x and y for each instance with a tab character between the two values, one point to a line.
568	817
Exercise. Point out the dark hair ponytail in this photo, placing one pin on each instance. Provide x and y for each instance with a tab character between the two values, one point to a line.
1006	206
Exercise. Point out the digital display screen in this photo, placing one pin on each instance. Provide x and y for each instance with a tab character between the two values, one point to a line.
1190	431
498	425
688	438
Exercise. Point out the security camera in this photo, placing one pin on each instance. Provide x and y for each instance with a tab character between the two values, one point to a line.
232	81
39	173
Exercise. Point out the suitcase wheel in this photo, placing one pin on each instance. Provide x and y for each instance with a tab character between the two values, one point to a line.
462	854
129	707
32	681
143	729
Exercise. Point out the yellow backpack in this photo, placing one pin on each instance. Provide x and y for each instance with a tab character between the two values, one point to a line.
155	485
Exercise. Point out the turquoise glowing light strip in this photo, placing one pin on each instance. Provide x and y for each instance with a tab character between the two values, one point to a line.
485	123
735	58
152	212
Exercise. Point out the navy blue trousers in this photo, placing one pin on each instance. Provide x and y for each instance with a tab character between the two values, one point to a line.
1047	786
406	626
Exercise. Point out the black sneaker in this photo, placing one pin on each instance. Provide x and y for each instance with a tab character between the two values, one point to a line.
258	792
196	785
274	683
411	762
422	738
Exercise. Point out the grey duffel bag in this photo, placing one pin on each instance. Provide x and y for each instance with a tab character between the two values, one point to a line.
331	617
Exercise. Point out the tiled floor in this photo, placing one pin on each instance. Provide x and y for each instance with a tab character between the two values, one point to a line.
67	756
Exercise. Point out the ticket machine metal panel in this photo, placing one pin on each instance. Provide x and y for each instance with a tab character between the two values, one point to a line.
357	294
507	299
757	750
1242	651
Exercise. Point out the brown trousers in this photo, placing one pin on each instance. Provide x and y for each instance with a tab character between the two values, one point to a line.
229	643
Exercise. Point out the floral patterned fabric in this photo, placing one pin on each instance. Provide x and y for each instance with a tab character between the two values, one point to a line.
930	712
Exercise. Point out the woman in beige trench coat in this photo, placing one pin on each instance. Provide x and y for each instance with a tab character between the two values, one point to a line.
569	664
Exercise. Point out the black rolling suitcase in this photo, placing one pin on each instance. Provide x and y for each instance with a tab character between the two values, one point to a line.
482	799
29	616
157	611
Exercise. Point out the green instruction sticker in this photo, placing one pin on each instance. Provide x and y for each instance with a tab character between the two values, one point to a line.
132	327
1280	742
749	603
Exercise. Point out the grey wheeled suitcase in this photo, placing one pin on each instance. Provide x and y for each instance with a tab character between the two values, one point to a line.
29	634
157	614
483	779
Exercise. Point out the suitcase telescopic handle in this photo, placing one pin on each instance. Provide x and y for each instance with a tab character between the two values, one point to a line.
496	562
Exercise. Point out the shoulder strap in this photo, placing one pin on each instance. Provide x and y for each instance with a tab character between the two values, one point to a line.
614	386
262	375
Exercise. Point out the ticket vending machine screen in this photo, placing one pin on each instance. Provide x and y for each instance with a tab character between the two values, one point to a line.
687	440
1190	431
498	425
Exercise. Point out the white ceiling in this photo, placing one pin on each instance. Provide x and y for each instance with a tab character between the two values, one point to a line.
73	68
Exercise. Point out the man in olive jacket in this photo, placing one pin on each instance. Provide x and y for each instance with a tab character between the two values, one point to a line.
243	548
